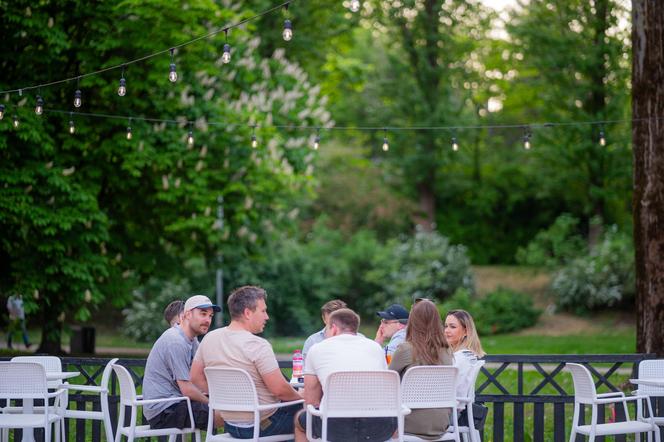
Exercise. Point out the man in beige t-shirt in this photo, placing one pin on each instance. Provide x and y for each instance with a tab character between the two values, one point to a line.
237	346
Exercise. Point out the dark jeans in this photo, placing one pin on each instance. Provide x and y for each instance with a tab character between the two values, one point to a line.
177	416
281	422
342	429
14	325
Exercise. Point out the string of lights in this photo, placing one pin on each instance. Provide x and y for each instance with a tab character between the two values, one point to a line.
172	75
527	128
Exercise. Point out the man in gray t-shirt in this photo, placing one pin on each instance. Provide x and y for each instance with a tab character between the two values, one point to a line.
167	370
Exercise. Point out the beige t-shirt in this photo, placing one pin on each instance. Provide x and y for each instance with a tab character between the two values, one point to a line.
241	349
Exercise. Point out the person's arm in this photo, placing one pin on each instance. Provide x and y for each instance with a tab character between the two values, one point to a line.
401	359
187	388
197	376
277	385
313	391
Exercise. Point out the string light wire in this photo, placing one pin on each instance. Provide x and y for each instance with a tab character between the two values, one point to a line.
152	55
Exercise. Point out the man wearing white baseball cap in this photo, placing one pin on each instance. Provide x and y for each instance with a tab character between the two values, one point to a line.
167	370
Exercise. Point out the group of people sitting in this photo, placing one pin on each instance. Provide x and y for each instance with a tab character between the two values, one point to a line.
176	364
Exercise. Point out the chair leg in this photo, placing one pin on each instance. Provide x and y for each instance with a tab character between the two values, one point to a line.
197	435
171	437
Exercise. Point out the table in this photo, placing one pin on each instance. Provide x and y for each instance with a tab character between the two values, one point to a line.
28	434
653	382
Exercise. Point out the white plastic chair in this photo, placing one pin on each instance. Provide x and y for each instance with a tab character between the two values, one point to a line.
585	394
232	389
468	401
50	364
431	386
650	369
102	415
27	381
128	398
359	394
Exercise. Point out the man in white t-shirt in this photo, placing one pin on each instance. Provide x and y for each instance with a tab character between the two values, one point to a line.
342	350
237	346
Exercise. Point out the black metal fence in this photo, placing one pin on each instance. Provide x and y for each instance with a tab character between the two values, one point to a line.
530	397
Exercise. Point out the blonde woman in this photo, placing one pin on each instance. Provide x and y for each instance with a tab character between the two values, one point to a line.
425	344
462	337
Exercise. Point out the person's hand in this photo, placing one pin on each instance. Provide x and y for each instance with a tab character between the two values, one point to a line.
380	335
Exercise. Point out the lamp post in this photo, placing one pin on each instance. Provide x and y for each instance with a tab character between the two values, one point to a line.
219	318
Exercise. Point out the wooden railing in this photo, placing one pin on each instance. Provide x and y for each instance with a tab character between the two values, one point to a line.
530	397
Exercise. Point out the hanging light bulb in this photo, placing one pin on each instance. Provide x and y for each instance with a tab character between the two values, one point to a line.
190	139
386	145
122	89
355	5
602	138
226	56
288	30
317	140
172	73
39	107
526	140
129	135
254	141
78	100
2	111
72	128
16	122
455	145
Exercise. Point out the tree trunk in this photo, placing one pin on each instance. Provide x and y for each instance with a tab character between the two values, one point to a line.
648	151
51	333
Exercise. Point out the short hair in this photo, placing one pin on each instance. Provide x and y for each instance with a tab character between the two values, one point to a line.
346	319
332	306
244	297
173	310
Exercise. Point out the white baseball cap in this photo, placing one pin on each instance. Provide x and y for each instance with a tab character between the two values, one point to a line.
200	301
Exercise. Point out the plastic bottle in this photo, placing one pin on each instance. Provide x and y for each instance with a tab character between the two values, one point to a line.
298	365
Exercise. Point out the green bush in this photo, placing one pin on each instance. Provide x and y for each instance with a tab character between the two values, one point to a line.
425	265
501	311
556	245
603	278
144	318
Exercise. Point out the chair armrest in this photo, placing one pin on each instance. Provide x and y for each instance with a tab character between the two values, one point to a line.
56	393
611	394
139	397
91	388
464	399
279	405
156	401
405	410
311	409
621	399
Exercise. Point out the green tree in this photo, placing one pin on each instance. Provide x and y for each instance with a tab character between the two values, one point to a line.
91	215
571	63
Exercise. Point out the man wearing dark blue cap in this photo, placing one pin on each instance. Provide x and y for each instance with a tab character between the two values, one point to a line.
393	323
167	370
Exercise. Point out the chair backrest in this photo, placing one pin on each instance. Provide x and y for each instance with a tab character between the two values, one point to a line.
584	387
106	375
651	369
429	386
231	389
127	387
474	373
362	394
50	363
22	380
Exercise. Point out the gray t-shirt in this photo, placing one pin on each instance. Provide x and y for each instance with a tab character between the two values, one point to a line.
169	361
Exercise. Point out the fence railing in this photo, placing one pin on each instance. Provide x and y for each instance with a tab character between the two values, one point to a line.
530	397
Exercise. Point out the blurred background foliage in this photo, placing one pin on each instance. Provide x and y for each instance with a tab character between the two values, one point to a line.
94	221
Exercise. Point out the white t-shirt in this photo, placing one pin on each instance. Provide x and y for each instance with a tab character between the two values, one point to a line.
464	360
343	352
